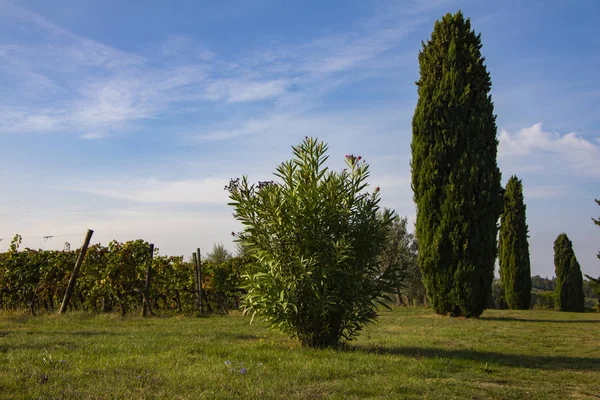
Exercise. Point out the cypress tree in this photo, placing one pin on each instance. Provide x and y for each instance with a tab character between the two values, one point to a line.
515	269
455	176
595	282
569	282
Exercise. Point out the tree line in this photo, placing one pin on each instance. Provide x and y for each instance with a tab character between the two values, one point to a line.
457	188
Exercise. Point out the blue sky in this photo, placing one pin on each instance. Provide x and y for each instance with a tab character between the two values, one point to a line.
130	117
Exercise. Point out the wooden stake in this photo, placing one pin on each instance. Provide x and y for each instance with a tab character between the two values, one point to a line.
146	292
195	261
73	279
198	260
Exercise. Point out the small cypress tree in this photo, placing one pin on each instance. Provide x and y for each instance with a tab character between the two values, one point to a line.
569	281
595	283
515	269
455	176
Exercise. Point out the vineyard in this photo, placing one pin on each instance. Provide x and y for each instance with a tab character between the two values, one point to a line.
113	278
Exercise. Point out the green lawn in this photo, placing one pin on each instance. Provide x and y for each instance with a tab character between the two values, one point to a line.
409	353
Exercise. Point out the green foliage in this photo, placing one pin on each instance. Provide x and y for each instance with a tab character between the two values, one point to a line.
497	299
537	282
112	278
401	249
595	283
219	254
173	284
455	178
315	238
515	269
223	282
569	282
545	300
28	277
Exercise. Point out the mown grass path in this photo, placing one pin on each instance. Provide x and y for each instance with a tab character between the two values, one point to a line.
409	353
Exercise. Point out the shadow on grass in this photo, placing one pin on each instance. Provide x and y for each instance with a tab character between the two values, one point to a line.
559	321
509	360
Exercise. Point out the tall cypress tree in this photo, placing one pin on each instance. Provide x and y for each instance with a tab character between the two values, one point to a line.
515	269
595	283
455	177
569	282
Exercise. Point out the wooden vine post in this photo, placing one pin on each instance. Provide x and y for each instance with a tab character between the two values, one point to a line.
73	279
146	292
199	279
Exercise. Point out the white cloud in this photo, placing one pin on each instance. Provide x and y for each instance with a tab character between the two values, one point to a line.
207	191
335	53
248	127
14	120
545	191
535	148
92	136
238	91
104	89
329	56
185	47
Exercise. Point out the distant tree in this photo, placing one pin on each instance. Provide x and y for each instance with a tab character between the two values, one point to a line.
498	301
595	283
219	254
569	282
455	176
545	301
515	269
588	289
401	250
540	283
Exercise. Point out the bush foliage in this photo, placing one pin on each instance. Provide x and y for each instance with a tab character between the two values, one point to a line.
315	237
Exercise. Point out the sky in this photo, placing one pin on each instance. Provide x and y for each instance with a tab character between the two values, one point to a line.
129	118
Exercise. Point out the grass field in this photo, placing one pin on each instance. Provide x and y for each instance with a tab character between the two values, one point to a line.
409	353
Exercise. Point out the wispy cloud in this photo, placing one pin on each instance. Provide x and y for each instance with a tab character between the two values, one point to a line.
92	136
335	53
105	89
207	191
238	91
184	47
546	191
534	147
284	126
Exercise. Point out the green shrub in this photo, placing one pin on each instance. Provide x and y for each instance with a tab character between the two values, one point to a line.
544	301
315	238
